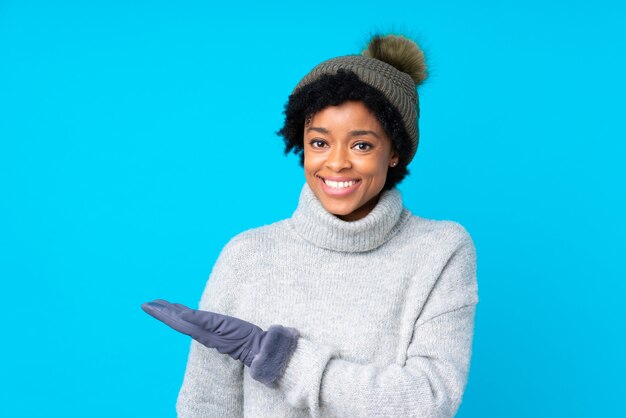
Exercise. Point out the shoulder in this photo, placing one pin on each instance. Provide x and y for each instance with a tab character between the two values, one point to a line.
439	232
237	261
448	255
251	240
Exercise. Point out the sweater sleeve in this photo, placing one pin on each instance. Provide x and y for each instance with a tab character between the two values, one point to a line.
213	382
432	380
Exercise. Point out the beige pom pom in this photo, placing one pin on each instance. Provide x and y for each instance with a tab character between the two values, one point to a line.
400	52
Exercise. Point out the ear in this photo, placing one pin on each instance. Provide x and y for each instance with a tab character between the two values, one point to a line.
394	158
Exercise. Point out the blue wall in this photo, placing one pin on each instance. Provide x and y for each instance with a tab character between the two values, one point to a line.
136	139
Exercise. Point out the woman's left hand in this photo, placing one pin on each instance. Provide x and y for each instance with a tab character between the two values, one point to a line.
239	339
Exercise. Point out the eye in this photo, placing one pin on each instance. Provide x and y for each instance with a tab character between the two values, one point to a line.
317	143
363	146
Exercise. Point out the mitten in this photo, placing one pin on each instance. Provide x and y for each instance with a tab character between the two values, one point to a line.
266	353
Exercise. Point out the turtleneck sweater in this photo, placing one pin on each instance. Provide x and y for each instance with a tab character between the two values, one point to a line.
384	305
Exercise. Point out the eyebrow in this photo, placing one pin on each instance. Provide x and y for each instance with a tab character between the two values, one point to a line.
352	133
320	130
361	133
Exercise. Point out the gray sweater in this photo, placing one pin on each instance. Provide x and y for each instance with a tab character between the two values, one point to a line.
384	305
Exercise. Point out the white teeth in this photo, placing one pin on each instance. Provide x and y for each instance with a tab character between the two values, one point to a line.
339	184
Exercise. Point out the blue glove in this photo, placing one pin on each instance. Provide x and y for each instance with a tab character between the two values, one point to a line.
266	353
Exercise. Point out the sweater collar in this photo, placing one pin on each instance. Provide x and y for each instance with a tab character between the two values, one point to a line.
323	229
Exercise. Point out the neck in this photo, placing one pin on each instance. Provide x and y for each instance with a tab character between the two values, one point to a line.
318	226
361	212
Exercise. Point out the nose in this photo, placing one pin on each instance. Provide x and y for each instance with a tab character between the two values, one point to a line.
338	159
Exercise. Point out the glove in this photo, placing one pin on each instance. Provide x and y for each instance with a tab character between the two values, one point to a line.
266	353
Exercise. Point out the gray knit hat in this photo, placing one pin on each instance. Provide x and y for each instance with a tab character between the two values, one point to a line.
392	64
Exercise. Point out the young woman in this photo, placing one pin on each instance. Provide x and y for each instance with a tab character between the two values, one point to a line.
353	306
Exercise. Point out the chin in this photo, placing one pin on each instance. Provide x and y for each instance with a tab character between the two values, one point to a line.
339	211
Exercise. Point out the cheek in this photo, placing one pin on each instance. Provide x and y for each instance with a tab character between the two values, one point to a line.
311	161
375	167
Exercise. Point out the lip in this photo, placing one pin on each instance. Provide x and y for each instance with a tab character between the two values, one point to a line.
338	178
338	192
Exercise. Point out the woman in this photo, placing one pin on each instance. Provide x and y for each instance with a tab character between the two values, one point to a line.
353	306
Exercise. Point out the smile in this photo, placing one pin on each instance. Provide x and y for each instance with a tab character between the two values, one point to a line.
339	184
339	188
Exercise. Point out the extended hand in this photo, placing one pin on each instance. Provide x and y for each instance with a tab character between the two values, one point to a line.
239	339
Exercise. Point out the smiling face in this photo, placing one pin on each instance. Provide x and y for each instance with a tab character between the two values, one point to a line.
346	158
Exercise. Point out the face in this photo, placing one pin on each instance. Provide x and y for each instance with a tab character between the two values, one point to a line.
346	158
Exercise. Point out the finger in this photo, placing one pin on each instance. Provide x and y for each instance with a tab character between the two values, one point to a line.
159	309
179	307
169	315
206	320
218	324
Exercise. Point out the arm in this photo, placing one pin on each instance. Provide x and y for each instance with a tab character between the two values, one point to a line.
213	383
431	382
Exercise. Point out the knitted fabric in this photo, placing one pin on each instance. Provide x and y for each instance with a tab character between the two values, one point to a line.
384	305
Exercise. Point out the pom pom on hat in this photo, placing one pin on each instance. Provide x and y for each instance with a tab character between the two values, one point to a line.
400	52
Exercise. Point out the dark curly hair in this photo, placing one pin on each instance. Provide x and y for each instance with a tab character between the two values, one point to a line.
333	90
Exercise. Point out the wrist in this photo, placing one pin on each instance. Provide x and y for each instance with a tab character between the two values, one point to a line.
274	354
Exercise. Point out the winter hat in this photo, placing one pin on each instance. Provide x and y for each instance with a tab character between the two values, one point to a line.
392	64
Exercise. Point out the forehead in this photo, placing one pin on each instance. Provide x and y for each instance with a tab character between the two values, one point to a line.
348	113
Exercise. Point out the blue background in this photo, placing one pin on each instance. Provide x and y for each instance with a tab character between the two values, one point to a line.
138	137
